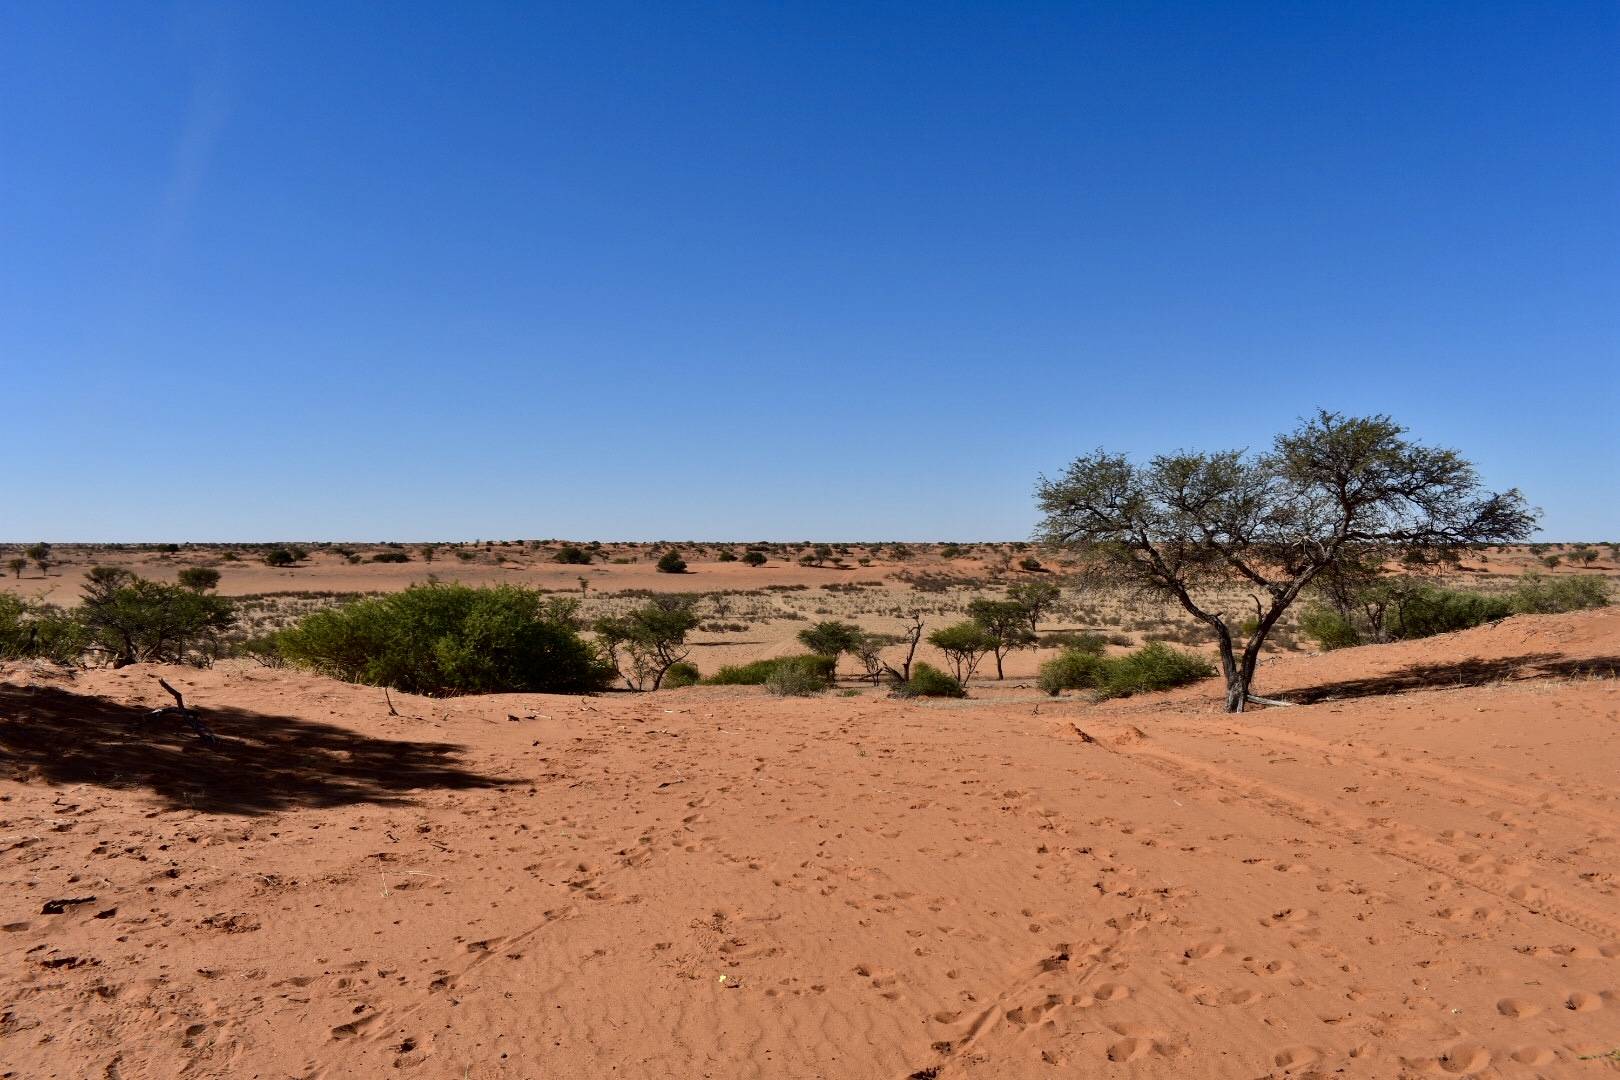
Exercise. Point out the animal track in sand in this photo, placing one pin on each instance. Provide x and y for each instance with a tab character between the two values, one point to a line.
1297	1057
1464	1059
1517	1008
1582	1001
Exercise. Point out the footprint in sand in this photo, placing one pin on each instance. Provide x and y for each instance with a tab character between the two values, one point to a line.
1517	1008
1533	1055
1130	1049
1297	1057
1464	1059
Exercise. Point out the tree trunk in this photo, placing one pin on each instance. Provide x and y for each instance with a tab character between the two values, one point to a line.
1237	682
999	675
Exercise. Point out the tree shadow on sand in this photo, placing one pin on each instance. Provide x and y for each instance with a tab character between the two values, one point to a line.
1461	673
258	763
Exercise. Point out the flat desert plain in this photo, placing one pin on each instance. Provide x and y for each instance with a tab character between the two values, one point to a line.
1413	872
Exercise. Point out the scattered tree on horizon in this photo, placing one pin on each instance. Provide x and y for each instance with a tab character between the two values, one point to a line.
1327	491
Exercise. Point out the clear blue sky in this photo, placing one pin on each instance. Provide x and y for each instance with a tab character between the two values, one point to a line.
413	270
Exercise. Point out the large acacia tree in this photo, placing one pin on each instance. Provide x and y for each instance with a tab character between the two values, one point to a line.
1187	524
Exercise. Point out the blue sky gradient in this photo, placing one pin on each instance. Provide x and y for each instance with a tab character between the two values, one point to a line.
410	270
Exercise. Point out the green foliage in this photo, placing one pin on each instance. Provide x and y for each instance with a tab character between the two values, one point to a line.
645	643
681	674
390	557
964	645
1073	669
670	562
951	551
448	639
1431	610
830	638
754	558
30	630
928	681
1328	628
199	578
727	555
279	556
572	555
1095	644
1155	666
757	672
798	676
1536	595
17	566
135	620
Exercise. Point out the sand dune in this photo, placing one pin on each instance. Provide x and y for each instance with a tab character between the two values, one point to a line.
1418	874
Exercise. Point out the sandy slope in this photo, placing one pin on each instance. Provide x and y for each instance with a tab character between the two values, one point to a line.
1417	875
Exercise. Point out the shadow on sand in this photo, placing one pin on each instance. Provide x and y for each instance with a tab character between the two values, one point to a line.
259	763
1460	673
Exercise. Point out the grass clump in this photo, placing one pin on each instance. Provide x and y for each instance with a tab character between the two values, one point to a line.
1155	666
443	639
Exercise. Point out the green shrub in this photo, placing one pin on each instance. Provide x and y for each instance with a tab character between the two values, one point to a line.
1536	595
279	556
1095	644
928	681
133	620
757	672
30	630
390	557
1431	610
199	578
1328	628
727	556
754	558
681	674
446	639
1074	669
670	562
1031	564
798	676
831	638
1155	666
572	555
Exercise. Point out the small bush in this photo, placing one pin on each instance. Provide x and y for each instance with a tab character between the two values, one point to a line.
572	555
728	556
1075	669
1095	644
754	558
199	578
757	672
446	639
682	674
1155	666
279	556
670	562
798	676
1152	667
1030	564
928	681
1328	628
390	557
30	630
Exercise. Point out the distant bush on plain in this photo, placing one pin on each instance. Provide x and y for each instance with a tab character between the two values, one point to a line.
390	557
798	676
444	639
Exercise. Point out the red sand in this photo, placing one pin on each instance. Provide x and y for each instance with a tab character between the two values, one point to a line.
1419	876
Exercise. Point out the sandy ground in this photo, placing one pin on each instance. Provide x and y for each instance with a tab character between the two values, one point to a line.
1418	874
